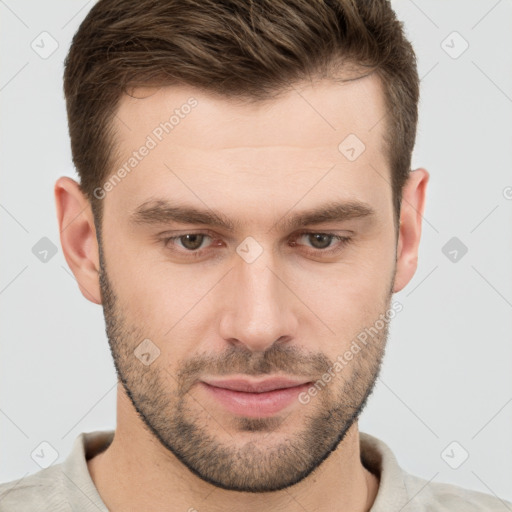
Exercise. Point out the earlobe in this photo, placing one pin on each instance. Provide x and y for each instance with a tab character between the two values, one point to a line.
78	236
411	217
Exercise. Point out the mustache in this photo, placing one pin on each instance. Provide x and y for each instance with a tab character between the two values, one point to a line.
238	360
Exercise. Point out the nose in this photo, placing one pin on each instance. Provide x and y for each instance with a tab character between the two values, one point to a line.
259	311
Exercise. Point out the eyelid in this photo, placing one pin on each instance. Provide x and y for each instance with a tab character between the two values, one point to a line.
170	238
342	239
303	231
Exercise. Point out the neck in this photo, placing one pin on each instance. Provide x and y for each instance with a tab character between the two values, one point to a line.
135	462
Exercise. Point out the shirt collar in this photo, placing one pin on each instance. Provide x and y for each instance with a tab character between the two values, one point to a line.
378	458
80	491
77	484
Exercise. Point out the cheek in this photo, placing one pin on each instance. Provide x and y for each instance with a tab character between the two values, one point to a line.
160	297
348	296
163	297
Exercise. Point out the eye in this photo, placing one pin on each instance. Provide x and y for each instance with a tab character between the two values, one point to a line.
319	240
322	242
195	245
192	241
191	245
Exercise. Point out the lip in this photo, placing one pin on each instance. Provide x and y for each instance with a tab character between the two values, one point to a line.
255	386
256	399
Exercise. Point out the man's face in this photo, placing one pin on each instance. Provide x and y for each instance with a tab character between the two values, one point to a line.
260	298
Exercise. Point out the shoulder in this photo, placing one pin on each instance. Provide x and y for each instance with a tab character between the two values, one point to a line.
400	490
38	492
443	497
62	487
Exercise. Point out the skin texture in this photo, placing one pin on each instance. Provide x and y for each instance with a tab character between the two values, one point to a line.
292	311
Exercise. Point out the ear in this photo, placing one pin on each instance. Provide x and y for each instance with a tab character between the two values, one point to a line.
411	216
78	236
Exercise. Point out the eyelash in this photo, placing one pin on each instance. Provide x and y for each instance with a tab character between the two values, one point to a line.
343	241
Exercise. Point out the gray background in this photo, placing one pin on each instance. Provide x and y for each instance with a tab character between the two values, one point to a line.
447	374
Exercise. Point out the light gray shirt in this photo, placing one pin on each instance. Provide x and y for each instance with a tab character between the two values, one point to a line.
68	486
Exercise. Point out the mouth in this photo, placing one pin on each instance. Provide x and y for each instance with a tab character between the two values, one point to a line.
255	399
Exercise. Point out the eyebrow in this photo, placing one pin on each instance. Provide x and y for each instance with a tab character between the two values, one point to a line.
161	211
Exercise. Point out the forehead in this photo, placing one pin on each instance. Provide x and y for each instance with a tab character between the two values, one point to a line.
327	107
187	144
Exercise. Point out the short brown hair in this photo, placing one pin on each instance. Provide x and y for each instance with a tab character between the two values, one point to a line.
243	49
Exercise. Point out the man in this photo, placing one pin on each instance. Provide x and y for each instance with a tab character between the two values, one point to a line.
244	214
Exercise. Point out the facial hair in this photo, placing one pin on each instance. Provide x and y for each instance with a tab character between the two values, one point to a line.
271	460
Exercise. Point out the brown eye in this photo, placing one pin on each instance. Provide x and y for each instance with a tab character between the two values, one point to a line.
192	242
320	244
320	240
